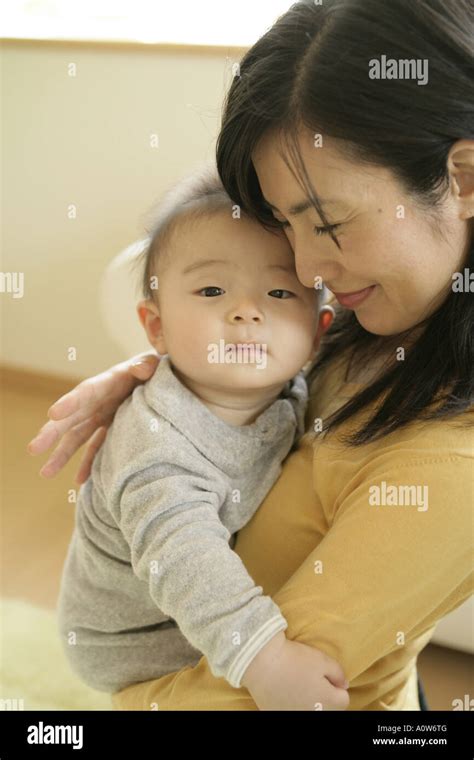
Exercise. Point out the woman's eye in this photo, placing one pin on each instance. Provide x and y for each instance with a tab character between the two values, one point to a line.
326	230
210	294
279	291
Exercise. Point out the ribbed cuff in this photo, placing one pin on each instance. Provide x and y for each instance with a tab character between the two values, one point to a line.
253	647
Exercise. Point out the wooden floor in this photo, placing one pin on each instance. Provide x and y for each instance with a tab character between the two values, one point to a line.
37	520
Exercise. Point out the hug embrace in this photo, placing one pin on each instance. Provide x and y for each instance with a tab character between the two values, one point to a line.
286	534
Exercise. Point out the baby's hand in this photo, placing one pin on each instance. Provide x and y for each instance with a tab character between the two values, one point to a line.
289	675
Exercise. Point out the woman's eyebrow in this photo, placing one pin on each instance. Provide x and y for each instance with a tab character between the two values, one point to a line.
300	208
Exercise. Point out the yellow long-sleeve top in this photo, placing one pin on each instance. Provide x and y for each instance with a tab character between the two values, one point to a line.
361	570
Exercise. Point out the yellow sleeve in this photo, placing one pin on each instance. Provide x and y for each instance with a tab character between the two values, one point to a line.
391	564
187	689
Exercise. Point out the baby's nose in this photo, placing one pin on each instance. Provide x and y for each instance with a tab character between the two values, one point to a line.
246	314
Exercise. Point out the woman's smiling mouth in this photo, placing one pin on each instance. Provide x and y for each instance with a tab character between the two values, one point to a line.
349	300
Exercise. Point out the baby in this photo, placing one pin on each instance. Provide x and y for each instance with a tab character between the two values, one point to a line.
151	581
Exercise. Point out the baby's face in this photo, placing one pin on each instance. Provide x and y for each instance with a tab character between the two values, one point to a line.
228	283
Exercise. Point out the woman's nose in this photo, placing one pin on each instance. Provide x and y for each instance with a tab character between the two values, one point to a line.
310	263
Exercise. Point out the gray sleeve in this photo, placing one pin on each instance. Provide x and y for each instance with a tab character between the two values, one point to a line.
181	548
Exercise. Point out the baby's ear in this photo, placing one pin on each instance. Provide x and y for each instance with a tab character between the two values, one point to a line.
143	309
150	319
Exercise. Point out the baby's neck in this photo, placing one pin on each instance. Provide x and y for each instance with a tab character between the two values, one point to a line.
234	407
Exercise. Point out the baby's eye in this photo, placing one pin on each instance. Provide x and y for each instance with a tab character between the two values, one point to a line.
212	288
279	291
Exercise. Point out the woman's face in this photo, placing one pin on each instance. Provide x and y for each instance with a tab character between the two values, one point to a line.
390	249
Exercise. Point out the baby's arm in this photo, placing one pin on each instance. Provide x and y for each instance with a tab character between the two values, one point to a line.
180	547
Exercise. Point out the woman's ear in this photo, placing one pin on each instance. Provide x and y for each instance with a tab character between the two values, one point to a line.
326	316
461	172
149	316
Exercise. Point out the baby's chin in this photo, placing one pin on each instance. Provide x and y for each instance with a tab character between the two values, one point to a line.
235	378
251	375
260	372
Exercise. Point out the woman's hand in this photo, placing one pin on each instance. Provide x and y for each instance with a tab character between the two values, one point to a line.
87	411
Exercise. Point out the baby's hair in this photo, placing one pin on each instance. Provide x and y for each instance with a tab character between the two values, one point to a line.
198	194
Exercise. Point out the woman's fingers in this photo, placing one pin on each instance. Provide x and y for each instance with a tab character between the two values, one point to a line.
68	446
92	404
47	435
86	464
91	395
50	433
67	411
91	401
53	430
142	367
65	405
84	398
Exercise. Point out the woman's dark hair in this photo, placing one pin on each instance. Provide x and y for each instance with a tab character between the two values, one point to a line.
311	69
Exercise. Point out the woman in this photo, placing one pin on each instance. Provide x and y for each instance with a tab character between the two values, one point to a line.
365	542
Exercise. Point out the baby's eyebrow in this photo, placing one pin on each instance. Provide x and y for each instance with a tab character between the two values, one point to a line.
205	263
285	267
210	262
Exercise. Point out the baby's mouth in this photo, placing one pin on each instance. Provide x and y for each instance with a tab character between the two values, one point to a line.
246	344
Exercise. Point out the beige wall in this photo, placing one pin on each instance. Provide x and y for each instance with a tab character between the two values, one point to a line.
85	140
